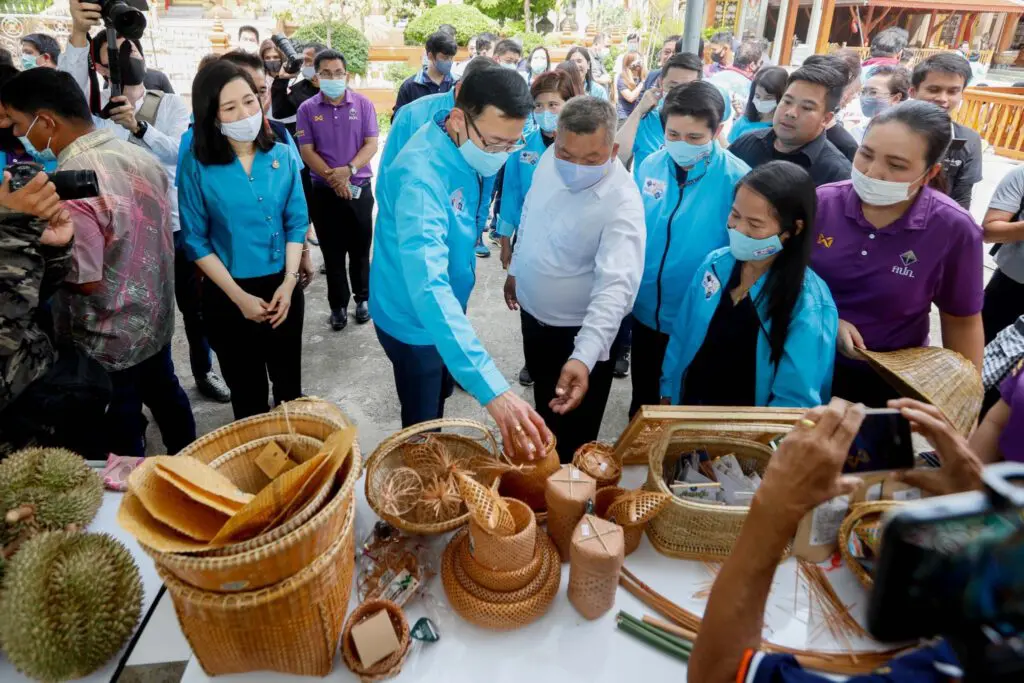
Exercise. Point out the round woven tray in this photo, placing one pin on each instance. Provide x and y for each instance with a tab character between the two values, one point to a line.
506	553
501	616
858	512
390	665
278	554
498	581
211	446
692	530
590	456
389	456
529	486
500	596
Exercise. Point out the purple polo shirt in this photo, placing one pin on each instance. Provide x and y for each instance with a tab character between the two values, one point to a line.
1011	441
337	131
885	281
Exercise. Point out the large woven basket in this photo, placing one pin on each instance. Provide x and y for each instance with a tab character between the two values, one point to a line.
389	455
858	512
209	447
276	555
311	405
292	627
692	530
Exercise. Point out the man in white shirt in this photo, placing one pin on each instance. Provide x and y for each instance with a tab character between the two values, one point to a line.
576	269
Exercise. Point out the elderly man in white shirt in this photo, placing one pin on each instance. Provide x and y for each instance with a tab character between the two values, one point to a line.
576	269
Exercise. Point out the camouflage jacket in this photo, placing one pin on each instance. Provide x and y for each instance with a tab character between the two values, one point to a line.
29	274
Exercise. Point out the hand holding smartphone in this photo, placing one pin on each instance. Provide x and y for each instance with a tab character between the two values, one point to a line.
883	443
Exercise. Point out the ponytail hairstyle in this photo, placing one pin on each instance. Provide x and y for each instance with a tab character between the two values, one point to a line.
930	123
578	86
793	197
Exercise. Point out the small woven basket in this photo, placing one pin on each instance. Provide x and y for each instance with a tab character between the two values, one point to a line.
858	512
390	455
569	491
528	486
499	581
595	559
698	531
292	627
598	460
211	446
505	553
390	665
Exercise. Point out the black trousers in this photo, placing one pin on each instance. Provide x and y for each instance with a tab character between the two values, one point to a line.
547	349
859	383
1004	303
249	351
187	295
344	228
647	355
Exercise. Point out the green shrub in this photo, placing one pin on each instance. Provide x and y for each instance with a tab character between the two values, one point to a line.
397	72
512	9
531	41
383	123
468	22
343	38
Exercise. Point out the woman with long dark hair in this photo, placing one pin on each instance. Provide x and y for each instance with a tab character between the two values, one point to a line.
538	63
890	246
580	56
756	326
244	217
765	92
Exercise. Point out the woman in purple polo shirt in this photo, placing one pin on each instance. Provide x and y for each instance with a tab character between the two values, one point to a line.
1001	434
889	246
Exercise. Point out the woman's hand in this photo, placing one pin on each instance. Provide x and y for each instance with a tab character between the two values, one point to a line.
523	432
510	293
506	252
282	301
849	340
252	307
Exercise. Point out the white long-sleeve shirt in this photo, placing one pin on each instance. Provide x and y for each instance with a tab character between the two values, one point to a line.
162	138
579	256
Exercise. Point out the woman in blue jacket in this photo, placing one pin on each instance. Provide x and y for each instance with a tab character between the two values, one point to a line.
756	326
765	93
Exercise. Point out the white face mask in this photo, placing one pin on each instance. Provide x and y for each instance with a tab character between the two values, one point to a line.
765	106
244	130
875	192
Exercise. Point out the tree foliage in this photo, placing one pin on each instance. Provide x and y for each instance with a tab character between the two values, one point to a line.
468	22
343	38
512	9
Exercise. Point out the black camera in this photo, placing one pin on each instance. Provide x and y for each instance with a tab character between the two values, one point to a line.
291	58
125	18
69	184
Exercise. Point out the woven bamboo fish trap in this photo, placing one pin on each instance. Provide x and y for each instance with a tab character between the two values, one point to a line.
292	627
390	665
859	512
598	460
692	530
476	456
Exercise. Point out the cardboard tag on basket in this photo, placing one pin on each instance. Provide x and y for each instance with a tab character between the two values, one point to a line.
172	506
374	639
274	461
201	482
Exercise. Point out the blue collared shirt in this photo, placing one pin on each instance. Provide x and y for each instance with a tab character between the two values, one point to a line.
409	120
244	218
185	149
419	86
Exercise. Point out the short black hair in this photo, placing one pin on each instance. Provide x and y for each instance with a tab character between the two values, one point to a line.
244	59
501	88
507	45
5	57
439	43
680	48
674	38
46	44
684	60
831	79
35	90
773	80
478	63
447	28
246	28
750	52
890	42
943	62
722	37
317	47
211	147
327	55
926	119
697	99
899	79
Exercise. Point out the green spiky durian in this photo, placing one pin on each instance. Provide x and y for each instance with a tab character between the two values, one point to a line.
59	484
69	602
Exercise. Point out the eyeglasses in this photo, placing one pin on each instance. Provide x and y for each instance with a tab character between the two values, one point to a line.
496	148
328	75
873	92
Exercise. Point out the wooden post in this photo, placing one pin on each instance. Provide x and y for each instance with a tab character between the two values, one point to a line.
709	13
1009	29
828	9
789	33
961	30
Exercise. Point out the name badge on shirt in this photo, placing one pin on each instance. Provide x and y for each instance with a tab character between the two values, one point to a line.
528	158
710	284
654	188
458	201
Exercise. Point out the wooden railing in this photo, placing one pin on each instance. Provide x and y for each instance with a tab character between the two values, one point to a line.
920	53
997	116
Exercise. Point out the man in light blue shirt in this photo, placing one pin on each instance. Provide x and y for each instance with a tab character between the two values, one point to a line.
423	267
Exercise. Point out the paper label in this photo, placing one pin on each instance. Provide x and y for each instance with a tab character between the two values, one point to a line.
574	473
907	494
584	529
401	588
827	519
273	461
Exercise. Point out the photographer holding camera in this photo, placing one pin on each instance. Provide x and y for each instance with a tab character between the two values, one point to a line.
285	95
805	472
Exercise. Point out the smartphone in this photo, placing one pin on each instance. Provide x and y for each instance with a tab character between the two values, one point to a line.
356	190
883	443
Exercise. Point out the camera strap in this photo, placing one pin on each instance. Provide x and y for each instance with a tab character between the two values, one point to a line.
150	106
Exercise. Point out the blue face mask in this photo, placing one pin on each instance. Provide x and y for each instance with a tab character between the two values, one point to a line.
42	157
444	66
332	87
486	164
548	121
28	62
746	248
578	177
873	106
685	154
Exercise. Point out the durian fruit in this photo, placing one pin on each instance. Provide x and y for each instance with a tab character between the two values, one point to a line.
59	485
70	600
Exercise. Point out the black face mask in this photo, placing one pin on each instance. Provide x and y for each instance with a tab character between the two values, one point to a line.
718	57
273	66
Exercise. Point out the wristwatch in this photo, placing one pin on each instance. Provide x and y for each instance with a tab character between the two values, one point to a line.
352	168
140	132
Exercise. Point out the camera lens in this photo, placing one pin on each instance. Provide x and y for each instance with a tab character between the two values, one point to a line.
292	59
128	21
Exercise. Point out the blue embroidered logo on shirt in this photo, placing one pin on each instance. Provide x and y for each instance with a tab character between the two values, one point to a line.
528	158
711	284
654	188
458	201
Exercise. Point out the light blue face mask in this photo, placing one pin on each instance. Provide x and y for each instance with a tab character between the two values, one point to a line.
578	177
443	65
686	154
486	164
332	87
873	106
43	156
29	62
746	248
512	66
547	120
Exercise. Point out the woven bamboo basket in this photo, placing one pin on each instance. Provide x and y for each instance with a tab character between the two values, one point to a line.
390	454
528	486
292	627
567	505
858	512
643	506
505	553
209	447
312	405
595	559
499	581
532	587
271	561
390	665
500	616
598	460
692	530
